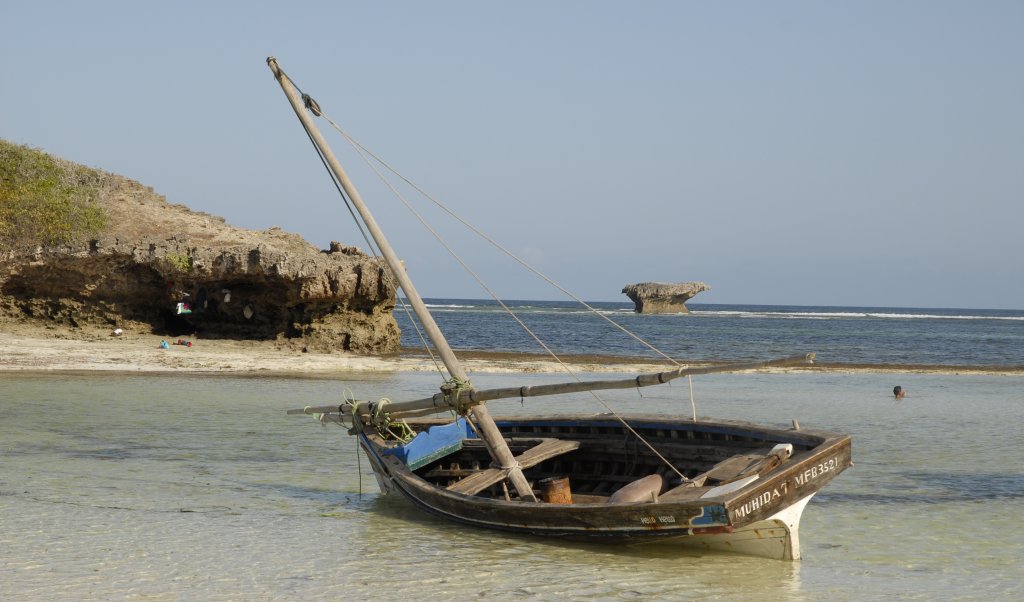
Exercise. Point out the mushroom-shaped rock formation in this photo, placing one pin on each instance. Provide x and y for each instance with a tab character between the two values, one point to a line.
663	298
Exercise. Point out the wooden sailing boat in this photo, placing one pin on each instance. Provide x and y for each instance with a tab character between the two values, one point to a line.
634	479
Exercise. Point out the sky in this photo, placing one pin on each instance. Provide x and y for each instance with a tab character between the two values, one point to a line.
795	153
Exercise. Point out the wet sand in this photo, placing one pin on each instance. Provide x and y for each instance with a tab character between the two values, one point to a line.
32	349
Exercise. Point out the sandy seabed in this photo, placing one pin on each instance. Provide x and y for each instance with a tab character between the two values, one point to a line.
29	348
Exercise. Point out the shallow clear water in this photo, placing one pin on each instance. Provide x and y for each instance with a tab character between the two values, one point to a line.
166	487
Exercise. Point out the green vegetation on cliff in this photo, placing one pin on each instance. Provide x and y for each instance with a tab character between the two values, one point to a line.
45	201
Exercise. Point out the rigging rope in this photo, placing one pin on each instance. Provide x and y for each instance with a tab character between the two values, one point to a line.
493	242
315	109
361	150
363	153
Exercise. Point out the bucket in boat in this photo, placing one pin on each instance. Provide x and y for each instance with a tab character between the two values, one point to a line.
555	490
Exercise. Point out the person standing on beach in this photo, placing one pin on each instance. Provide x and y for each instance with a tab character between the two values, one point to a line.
898	392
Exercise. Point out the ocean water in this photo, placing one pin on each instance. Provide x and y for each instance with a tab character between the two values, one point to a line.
170	487
881	336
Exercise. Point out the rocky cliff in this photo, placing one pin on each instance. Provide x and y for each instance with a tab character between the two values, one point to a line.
169	270
663	298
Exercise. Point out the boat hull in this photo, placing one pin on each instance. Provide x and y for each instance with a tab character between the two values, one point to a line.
760	517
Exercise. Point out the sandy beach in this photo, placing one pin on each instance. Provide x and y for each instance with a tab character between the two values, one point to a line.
33	349
25	348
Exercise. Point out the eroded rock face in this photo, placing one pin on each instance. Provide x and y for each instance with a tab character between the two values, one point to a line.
663	298
238	283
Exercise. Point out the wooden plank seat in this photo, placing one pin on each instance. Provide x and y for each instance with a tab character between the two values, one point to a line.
546	449
731	469
737	467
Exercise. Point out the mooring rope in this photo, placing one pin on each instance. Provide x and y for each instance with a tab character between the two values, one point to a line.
359	465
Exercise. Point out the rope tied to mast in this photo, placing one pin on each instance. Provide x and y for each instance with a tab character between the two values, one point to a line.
452	389
312	105
514	465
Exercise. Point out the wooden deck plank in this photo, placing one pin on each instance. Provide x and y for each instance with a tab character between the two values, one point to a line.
726	471
546	449
733	467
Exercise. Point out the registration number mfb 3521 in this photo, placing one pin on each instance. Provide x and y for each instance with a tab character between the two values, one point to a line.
818	470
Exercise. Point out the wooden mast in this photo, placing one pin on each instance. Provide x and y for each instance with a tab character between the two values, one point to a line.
488	430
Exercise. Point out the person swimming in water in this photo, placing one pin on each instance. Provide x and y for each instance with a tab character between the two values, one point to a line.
898	392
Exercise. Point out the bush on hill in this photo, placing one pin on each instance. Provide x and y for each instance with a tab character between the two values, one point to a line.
44	201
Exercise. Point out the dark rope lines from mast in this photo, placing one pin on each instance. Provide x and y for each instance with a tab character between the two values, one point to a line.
313	108
366	155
